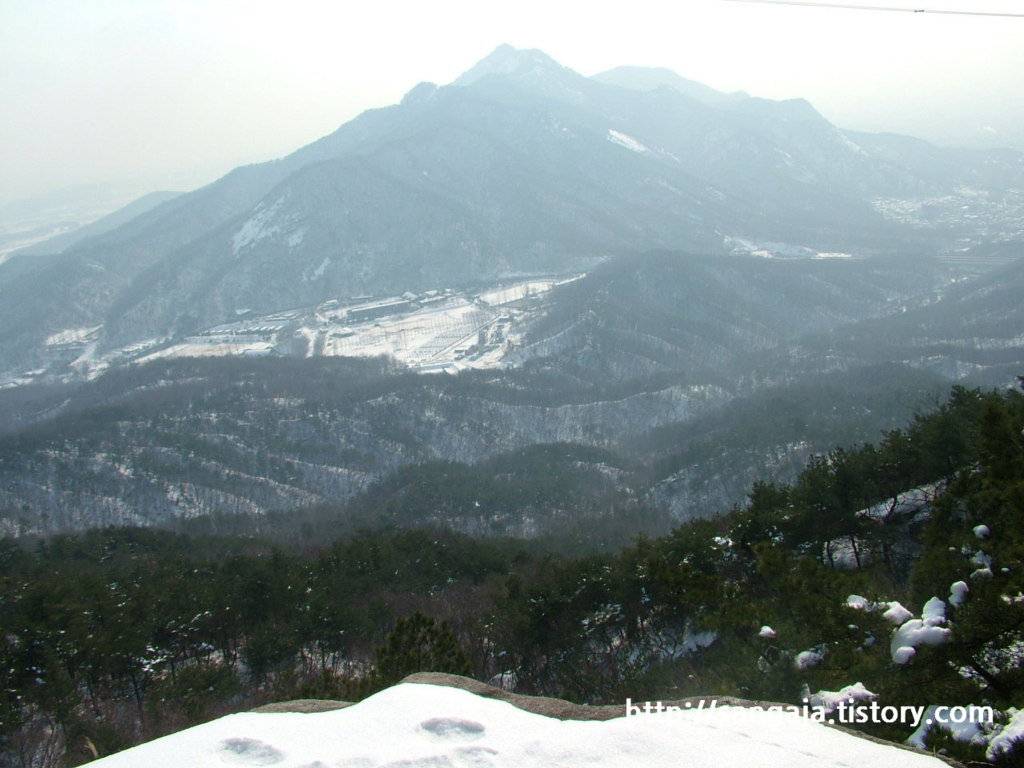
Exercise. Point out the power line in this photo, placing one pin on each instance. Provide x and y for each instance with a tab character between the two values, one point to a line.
879	8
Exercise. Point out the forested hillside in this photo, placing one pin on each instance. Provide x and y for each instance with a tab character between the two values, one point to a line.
696	375
117	635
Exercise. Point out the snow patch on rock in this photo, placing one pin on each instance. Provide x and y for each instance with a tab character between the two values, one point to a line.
416	724
830	700
259	226
628	142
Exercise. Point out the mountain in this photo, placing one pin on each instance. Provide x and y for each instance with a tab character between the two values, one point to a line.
707	315
519	166
971	331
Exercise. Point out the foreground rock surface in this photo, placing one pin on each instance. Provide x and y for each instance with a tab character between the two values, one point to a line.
442	720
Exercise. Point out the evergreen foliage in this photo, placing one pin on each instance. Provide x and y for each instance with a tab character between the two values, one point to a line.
419	644
117	635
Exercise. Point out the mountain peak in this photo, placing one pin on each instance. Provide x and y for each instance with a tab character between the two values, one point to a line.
424	91
508	60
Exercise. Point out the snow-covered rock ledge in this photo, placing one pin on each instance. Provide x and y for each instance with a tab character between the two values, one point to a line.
437	721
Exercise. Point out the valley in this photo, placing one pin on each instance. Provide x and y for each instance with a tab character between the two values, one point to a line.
696	375
438	331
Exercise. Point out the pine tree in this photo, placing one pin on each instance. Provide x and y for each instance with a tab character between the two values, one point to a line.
419	644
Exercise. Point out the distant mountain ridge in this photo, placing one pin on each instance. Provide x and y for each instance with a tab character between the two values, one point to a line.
652	78
519	166
111	221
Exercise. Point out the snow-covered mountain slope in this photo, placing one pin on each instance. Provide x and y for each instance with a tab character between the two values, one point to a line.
521	165
429	726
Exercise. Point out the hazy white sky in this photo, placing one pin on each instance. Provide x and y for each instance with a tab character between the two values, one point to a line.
163	90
